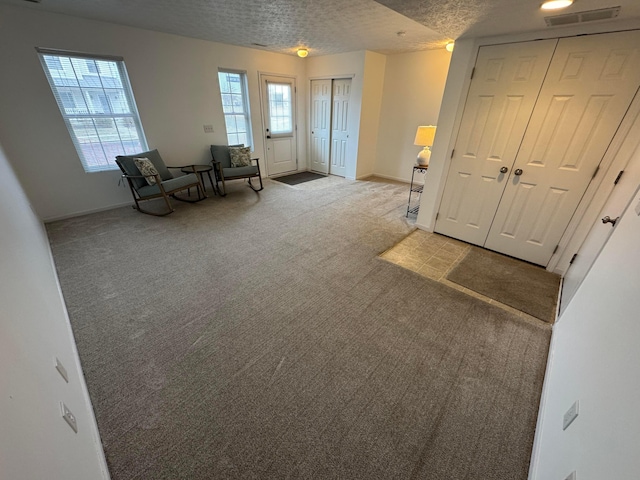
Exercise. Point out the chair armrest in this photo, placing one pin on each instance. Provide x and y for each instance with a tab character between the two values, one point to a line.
157	177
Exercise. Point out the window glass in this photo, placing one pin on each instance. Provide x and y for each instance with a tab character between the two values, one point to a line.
97	104
235	106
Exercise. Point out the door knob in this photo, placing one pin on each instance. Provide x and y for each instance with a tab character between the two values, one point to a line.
610	220
504	170
518	171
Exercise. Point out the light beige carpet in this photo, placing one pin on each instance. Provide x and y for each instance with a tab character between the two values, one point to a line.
258	336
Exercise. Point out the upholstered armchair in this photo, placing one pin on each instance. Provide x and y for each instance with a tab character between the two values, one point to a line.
150	178
232	163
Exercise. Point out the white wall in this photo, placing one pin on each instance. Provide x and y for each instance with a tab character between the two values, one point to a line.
372	90
35	442
413	89
594	359
174	80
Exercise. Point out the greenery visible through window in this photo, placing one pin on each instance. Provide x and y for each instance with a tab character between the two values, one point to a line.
97	104
235	105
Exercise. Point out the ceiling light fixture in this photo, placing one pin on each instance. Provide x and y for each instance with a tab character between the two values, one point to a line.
555	4
449	46
303	52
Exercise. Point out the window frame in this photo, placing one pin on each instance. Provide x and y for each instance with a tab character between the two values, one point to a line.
244	92
97	156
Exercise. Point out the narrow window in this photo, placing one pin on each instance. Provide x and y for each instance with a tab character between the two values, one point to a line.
235	105
97	105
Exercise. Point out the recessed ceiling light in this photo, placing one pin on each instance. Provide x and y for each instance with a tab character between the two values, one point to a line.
303	52
555	4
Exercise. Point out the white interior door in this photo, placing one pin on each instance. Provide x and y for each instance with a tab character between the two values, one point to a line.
587	91
621	190
501	98
340	126
278	109
320	125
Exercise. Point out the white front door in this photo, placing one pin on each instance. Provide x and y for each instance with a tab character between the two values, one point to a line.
278	109
502	95
587	91
320	125
340	126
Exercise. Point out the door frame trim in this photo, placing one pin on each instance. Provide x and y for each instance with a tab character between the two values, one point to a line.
262	74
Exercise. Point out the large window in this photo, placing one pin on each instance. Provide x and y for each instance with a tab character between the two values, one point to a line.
97	104
235	105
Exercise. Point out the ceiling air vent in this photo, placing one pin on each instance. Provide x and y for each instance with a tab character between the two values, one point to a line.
581	17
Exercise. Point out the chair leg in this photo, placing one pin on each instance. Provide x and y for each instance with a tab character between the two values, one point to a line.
259	178
166	199
223	192
211	182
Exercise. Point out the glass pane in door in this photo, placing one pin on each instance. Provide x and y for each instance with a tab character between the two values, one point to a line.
280	108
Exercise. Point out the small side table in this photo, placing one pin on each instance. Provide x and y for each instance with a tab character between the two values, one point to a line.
415	189
201	170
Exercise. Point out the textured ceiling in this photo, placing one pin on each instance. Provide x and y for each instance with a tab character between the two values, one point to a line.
480	18
324	26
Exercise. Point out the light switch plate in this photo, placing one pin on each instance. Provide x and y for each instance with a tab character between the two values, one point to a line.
208	128
571	415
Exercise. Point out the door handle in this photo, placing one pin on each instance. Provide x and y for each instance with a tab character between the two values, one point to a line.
610	220
504	170
518	172
268	136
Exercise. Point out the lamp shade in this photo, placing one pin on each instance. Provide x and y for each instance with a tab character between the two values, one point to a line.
425	136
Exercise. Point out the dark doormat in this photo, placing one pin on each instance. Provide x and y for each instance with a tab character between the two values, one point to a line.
525	287
297	178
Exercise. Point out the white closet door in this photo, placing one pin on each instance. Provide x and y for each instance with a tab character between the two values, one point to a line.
589	87
340	127
500	101
320	125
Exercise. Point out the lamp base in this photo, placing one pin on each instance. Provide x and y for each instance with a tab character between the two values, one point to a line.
424	156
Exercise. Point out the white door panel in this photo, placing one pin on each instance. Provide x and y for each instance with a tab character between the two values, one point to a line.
320	125
501	97
340	126
588	89
278	109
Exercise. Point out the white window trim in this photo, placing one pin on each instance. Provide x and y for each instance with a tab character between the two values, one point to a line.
245	100
127	91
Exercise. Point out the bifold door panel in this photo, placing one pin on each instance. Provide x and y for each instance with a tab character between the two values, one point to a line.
329	125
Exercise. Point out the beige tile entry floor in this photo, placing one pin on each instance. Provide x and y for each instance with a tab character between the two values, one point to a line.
434	256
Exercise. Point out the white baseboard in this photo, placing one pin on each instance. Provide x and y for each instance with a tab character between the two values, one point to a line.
86	212
391	177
